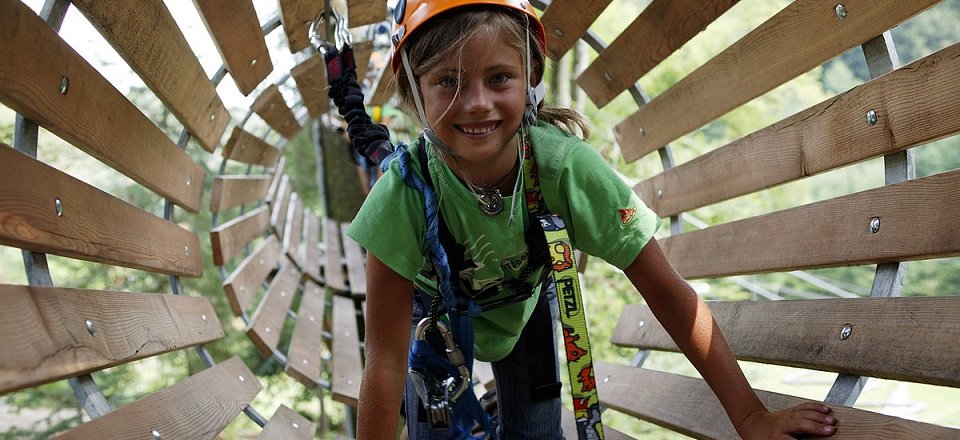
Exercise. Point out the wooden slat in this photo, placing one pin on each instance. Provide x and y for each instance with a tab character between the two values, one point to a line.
93	225
361	53
292	239
296	16
569	423
916	104
286	424
333	263
311	250
356	263
278	174
687	405
236	33
92	115
777	51
45	337
278	208
364	12
311	79
247	148
303	359
386	86
919	219
235	190
266	325
566	22
243	284
806	334
662	28
148	39
198	407
272	108
229	238
347	369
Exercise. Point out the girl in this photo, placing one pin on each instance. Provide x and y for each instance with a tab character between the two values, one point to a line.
468	69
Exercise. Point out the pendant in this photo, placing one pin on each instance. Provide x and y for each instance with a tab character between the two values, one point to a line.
491	202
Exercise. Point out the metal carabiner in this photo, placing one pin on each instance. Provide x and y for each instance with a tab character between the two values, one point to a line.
438	396
341	35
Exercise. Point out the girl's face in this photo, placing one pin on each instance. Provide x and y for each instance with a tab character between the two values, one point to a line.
474	101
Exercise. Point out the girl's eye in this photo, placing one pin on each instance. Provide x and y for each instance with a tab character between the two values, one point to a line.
499	78
447	82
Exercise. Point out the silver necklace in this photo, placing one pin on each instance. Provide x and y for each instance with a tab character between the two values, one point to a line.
490	200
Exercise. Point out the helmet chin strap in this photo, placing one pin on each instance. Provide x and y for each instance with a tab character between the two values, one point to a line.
427	130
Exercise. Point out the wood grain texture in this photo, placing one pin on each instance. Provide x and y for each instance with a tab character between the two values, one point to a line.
278	174
347	368
148	39
565	22
364	12
688	406
236	32
772	54
919	219
45	336
247	148
296	16
303	359
294	229
916	104
244	282
266	324
356	260
662	28
311	79
93	225
806	334
92	115
310	246
229	238
286	424
273	109
234	190
279	206
334	262
198	407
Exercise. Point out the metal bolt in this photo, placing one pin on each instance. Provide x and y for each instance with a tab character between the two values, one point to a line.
845	332
295	425
260	261
558	32
90	329
608	76
253	62
155	434
189	181
606	379
872	117
841	11
283	294
659	193
64	85
641	323
241	379
875	225
266	329
643	132
186	251
305	362
204	317
213	116
58	205
350	381
313	318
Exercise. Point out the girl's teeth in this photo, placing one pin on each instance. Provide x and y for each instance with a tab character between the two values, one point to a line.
477	130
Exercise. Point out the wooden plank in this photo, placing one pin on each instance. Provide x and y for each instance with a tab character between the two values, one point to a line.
278	174
687	405
236	32
303	359
243	284
311	79
364	12
92	224
92	115
568	422
230	238
198	407
386	86
266	325
311	249
292	239
772	54
296	16
333	263
566	22
278	209
916	104
247	148
806	334
234	190
45	337
286	424
362	50
918	219
347	368
356	263
273	109
662	28
149	40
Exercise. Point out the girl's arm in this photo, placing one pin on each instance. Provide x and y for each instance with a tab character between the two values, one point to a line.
387	339
691	325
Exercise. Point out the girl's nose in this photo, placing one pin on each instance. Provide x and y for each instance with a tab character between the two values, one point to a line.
476	99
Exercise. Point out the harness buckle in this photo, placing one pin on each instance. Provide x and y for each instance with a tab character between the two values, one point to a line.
438	395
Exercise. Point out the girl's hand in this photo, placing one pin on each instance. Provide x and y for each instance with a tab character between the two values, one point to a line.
806	418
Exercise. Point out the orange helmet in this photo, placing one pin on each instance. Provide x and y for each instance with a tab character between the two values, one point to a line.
411	14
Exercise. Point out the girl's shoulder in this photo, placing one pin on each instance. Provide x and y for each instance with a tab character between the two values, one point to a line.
555	149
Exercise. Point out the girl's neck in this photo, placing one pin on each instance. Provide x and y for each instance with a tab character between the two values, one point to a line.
499	173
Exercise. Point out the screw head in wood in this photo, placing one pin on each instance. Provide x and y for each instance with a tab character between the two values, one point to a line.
90	328
64	85
875	225
58	206
155	434
841	11
846	331
872	117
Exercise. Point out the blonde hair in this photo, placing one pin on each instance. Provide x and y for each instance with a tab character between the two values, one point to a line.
448	33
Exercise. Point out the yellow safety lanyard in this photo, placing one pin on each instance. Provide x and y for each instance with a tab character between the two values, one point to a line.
583	385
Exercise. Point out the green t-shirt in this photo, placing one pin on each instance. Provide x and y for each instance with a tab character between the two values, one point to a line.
603	216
